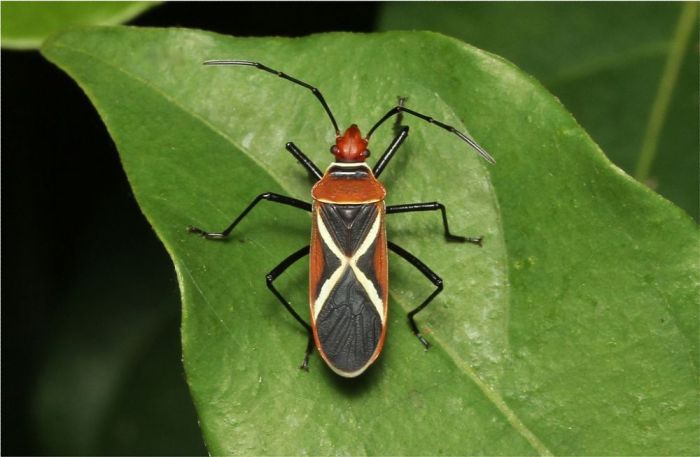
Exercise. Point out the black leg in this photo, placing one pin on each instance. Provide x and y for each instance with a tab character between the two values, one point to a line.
400	134
428	273
399	117
434	206
271	276
266	196
305	161
389	153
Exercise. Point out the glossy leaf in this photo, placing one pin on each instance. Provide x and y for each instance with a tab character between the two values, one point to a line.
574	330
25	25
627	71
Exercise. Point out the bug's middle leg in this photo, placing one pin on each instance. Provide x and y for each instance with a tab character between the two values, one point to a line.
428	273
271	276
270	196
434	206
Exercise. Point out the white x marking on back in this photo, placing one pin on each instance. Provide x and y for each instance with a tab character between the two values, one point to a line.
349	262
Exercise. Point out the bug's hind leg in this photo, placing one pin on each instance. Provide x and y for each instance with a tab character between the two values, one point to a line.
428	273
271	276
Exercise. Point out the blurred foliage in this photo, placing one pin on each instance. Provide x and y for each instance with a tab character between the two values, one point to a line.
25	25
606	62
112	380
573	331
118	380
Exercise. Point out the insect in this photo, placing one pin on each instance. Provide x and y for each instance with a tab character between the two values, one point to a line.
348	274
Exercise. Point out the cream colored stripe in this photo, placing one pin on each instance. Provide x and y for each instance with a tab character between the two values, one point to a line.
331	282
372	292
335	277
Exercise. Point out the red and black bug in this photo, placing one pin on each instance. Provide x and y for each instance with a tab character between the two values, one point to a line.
348	274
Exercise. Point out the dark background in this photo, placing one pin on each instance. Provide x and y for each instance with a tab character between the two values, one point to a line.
79	258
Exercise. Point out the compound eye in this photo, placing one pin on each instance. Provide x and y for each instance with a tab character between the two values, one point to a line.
366	153
334	149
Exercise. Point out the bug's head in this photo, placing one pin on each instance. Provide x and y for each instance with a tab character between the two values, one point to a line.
350	147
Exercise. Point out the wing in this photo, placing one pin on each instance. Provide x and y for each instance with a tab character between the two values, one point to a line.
349	327
349	285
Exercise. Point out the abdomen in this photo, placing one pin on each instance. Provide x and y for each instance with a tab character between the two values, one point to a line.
348	284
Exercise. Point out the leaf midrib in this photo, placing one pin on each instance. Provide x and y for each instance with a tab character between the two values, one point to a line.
491	395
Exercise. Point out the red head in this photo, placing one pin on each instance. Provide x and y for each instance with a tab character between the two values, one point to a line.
350	147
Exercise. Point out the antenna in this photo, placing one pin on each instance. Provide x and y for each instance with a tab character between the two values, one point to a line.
260	66
469	140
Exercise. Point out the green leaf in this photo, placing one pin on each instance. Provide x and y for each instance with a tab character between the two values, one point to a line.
25	25
627	71
573	331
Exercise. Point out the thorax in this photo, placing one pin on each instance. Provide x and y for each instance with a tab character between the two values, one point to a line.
348	183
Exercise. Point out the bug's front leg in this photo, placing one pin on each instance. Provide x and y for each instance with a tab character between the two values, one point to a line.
276	198
400	134
307	163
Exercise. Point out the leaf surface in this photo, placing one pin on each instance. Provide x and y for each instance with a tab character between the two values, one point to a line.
573	331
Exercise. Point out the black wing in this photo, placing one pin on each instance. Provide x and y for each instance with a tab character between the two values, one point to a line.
349	326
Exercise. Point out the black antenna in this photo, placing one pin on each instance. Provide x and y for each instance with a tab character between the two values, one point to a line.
469	140
260	66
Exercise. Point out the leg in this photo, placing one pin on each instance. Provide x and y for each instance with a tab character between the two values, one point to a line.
271	276
400	134
266	196
433	206
389	153
305	161
399	117
428	273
